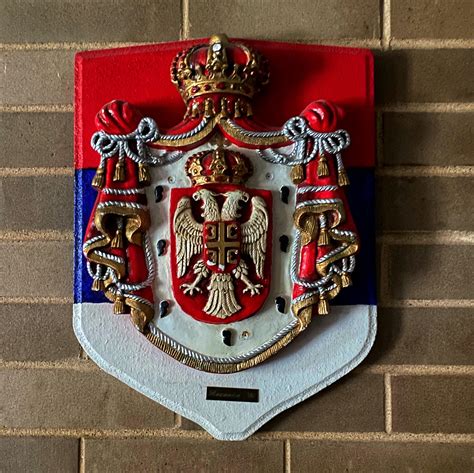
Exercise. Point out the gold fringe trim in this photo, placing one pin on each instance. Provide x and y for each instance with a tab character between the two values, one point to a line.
223	368
139	318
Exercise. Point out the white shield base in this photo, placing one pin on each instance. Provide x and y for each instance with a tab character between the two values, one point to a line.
327	350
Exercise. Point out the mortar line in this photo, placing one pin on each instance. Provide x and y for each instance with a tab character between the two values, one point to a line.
406	437
425	171
37	235
373	43
287	456
428	107
40	108
429	303
431	43
388	402
36	300
434	107
72	45
85	364
386	24
385	42
441	237
418	370
185	19
82	455
34	172
72	364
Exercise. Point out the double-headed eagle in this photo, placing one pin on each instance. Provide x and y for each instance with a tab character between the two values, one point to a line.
189	234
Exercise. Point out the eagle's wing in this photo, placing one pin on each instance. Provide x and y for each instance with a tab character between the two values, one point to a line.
254	234
188	232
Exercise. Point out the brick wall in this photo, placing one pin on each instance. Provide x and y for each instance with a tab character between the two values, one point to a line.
409	406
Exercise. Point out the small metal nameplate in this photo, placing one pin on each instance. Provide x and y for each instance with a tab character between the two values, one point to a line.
215	393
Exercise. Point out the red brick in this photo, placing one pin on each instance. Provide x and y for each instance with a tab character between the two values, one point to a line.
424	203
426	19
89	20
305	20
37	203
424	75
378	457
36	139
430	272
429	139
39	455
37	332
36	268
424	336
433	404
75	399
184	456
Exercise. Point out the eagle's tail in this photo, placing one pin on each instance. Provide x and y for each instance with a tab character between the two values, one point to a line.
221	302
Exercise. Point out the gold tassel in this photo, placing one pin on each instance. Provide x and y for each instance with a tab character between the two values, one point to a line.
144	174
209	108
99	178
323	306
117	241
119	174
224	111
119	304
323	239
297	174
138	318
346	280
249	109
195	110
237	110
323	169
98	285
342	178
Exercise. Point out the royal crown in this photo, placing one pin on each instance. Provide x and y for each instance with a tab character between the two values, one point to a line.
219	67
218	166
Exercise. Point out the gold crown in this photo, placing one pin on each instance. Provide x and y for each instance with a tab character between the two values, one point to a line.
219	67
218	166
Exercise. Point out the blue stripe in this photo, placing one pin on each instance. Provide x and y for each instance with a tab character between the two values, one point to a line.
361	200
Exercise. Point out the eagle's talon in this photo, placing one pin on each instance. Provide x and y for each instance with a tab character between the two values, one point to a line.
190	288
253	288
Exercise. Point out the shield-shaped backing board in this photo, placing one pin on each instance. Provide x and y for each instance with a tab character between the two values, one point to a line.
332	345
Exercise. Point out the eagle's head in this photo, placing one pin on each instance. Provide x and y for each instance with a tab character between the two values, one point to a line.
210	207
231	207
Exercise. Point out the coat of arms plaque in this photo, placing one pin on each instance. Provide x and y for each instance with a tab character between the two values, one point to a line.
224	257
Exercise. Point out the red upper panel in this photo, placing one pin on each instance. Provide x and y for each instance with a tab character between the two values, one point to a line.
299	74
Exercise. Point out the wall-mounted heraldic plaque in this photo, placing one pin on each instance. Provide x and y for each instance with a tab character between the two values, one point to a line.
225	222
